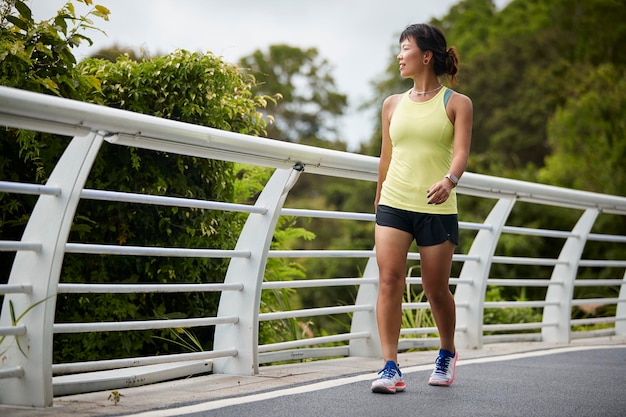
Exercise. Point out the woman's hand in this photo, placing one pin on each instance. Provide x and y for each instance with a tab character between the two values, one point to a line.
438	193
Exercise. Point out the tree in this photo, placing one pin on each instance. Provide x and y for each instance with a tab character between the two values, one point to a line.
37	56
308	102
586	135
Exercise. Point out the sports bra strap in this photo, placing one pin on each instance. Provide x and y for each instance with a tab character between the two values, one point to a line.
446	97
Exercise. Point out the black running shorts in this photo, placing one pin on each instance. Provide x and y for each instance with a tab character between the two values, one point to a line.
426	229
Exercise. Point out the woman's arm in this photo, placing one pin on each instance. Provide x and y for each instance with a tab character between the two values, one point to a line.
462	109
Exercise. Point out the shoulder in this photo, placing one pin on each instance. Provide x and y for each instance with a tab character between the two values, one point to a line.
392	100
390	103
460	101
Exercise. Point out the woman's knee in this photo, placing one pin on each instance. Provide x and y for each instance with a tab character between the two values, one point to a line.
391	282
437	294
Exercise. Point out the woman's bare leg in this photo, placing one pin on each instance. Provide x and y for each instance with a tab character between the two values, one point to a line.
392	246
436	264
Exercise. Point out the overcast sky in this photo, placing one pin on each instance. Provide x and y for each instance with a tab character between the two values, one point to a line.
353	35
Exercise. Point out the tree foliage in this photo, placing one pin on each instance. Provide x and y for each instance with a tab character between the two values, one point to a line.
308	104
37	56
587	134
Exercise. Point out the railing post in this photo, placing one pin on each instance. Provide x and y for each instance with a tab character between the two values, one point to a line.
558	315
473	294
620	314
256	238
365	321
49	224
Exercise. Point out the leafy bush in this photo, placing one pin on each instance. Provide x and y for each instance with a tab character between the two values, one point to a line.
191	87
509	315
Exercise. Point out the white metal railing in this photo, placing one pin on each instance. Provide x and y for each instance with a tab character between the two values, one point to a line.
34	278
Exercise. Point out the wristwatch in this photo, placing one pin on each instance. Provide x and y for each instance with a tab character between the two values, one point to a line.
452	178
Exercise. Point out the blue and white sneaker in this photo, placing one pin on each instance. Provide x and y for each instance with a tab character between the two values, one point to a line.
445	365
390	380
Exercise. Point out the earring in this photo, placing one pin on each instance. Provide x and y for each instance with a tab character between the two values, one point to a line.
425	62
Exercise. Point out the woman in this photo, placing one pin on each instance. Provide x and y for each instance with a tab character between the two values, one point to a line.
426	135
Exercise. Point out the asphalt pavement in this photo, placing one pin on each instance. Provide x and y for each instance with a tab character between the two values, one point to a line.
569	383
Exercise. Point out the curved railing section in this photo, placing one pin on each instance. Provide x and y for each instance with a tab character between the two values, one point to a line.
27	375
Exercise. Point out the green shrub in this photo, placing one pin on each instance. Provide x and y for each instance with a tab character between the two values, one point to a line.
191	87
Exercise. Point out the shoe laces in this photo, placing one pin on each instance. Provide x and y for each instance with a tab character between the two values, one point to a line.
389	371
441	364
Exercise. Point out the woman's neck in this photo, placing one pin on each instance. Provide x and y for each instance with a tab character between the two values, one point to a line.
425	85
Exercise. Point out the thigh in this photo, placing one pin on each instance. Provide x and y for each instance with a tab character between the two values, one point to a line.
392	246
436	264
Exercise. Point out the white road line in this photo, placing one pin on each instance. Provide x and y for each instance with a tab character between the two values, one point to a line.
215	404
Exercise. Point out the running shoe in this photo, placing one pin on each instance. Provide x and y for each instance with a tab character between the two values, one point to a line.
445	365
390	380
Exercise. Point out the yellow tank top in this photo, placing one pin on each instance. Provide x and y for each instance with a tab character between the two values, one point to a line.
422	137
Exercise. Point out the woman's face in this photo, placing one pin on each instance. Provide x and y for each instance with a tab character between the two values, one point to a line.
410	58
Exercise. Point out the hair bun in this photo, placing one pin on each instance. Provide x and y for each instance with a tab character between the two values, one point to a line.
452	62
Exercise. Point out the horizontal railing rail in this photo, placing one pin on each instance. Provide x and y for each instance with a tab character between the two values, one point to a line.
140	325
108	364
144	288
167	201
86	248
34	280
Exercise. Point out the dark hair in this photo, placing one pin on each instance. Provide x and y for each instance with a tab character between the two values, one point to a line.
431	38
